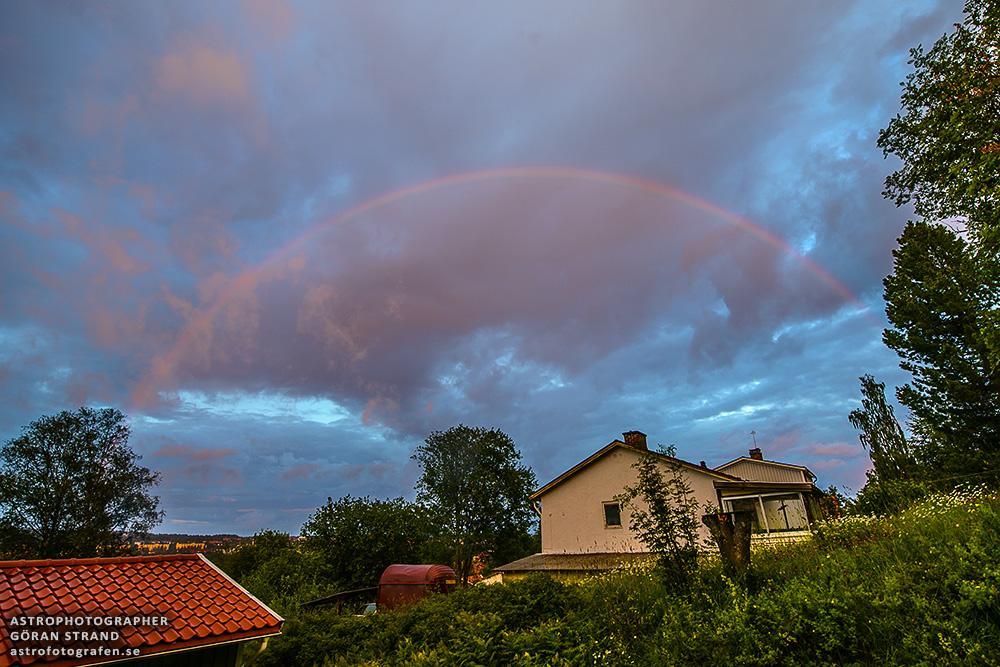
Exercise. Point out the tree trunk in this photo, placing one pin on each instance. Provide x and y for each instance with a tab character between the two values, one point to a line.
731	532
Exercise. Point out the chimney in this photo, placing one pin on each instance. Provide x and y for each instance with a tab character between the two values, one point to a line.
756	454
635	439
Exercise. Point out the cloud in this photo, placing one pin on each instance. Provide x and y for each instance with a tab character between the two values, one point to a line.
203	74
193	453
841	449
173	237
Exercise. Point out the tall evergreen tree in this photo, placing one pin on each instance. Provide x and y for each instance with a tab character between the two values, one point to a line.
943	298
940	311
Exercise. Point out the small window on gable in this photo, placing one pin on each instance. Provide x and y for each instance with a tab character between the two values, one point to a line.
612	515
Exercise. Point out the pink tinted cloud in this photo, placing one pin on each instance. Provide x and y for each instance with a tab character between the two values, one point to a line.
302	471
273	18
842	449
375	302
203	74
826	464
106	245
208	473
194	453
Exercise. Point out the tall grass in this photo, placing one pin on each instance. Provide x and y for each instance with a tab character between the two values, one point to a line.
922	587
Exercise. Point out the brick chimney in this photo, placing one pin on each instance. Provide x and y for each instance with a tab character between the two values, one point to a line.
635	439
756	454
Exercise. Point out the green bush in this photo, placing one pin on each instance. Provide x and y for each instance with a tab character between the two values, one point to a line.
850	531
921	587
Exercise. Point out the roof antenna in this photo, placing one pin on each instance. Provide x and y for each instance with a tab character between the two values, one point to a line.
753	434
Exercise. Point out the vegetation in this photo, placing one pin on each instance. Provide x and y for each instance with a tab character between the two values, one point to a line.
943	297
347	543
358	537
947	134
70	486
940	308
664	515
919	588
894	480
476	488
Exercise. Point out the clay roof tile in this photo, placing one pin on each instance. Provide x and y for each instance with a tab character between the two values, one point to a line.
205	606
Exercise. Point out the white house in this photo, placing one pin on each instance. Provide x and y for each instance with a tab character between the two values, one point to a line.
585	529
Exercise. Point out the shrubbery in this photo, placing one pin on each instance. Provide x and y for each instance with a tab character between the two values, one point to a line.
921	587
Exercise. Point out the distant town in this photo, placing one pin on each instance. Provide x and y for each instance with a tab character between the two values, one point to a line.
180	543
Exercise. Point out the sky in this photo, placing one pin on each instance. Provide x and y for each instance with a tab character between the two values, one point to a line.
291	239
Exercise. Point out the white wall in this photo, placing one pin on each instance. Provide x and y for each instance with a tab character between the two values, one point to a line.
573	512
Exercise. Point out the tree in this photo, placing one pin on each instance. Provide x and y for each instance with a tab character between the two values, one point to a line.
881	435
70	486
948	138
358	537
664	514
274	567
474	483
244	560
940	311
896	477
948	135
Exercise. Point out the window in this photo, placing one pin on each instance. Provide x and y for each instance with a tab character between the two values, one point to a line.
772	512
612	515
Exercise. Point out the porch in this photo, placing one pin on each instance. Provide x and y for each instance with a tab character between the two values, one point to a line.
780	512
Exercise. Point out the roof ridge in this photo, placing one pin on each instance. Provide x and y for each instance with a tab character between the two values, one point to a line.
618	443
96	560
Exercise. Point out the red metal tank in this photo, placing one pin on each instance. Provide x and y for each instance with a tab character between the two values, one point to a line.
401	585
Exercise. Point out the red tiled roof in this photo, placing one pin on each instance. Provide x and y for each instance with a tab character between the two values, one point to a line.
202	605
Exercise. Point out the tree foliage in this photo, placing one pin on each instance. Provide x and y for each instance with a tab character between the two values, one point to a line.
896	478
70	486
277	569
664	514
948	134
474	483
948	138
941	312
358	537
881	435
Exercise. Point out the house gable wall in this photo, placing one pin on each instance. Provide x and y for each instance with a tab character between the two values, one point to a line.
573	511
761	471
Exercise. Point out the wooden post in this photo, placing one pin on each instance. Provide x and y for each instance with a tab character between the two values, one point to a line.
731	532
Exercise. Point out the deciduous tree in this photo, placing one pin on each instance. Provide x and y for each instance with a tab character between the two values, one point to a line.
358	537
70	486
881	435
477	488
948	134
664	514
943	298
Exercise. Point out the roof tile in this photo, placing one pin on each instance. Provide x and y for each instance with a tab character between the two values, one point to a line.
204	606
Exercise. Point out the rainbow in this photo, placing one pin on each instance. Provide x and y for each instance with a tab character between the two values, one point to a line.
162	367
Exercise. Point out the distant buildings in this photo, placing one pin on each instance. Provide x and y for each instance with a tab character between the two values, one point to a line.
187	544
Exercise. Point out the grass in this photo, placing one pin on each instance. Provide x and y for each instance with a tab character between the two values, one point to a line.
922	587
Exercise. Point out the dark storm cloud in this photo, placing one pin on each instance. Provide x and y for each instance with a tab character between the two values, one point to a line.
155	160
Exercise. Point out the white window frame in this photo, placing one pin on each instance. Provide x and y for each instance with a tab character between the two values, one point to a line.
760	503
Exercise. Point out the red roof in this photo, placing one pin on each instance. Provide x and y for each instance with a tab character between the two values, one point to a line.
201	605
